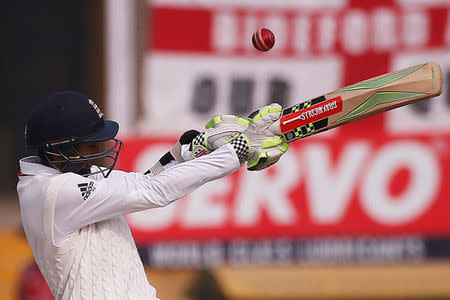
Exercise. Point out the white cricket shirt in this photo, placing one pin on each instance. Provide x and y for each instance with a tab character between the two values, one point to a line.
76	229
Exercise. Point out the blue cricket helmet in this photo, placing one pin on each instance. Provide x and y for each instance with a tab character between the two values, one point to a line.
63	120
67	117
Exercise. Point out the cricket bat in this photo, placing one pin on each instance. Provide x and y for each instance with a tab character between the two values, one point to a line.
360	100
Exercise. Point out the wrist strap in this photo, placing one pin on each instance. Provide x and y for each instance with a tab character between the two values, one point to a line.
198	146
241	145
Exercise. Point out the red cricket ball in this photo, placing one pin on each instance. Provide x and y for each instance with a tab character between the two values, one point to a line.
263	39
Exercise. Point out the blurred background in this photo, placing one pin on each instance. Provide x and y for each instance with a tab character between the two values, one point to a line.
359	212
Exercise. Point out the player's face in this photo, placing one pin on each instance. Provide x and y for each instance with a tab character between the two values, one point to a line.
92	148
89	148
82	157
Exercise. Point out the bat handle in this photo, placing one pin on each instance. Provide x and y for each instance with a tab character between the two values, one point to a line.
276	128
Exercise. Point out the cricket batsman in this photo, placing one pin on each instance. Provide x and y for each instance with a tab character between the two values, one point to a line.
73	202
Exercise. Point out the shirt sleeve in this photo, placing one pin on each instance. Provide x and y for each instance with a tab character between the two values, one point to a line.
84	201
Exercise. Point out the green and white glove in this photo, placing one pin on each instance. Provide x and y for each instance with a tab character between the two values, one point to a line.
264	144
193	144
255	140
219	131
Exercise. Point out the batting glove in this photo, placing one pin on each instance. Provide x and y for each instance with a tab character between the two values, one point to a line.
266	146
219	131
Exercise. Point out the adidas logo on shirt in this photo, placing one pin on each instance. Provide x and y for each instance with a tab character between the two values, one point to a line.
86	189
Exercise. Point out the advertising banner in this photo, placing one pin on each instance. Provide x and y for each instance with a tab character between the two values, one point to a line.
379	181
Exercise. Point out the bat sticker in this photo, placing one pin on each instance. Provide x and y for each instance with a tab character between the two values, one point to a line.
306	113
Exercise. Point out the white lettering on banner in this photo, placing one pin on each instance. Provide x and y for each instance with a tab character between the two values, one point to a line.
418	196
277	23
329	187
355	32
261	251
224	27
302	30
213	254
384	31
176	255
238	252
329	183
341	250
259	190
285	251
384	28
250	24
327	33
417	22
203	206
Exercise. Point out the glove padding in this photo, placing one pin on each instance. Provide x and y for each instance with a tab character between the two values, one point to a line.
175	154
266	145
193	144
219	131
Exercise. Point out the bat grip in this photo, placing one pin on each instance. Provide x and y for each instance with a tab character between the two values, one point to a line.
276	128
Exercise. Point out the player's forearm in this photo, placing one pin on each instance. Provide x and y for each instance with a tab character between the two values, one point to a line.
184	178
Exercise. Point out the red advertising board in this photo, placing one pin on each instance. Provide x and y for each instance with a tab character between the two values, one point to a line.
374	185
382	176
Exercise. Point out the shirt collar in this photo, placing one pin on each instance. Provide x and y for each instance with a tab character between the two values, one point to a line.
32	165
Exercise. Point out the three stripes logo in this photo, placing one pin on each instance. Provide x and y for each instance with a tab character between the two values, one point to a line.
86	189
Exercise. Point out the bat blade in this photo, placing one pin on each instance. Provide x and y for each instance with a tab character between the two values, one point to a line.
361	100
